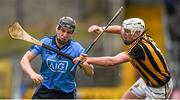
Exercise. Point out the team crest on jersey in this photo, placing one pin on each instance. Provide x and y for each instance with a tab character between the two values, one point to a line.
57	66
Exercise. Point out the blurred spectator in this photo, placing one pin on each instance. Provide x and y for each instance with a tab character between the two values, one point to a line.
169	6
173	10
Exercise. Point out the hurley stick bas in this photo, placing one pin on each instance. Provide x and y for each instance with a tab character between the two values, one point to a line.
17	32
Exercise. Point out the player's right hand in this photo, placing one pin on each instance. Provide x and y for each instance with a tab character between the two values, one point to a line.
37	78
95	28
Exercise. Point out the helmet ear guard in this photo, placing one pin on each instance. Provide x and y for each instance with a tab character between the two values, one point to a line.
68	23
134	25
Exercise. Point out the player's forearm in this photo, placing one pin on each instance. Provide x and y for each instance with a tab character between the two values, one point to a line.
26	67
88	69
102	61
114	29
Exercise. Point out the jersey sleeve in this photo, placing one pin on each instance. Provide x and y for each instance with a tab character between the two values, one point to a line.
36	49
136	52
81	50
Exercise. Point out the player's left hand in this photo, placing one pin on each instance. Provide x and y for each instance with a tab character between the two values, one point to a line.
37	78
95	28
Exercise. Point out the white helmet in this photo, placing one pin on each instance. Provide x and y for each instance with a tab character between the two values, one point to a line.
134	24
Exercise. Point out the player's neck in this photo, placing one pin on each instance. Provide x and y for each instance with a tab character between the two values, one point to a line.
60	45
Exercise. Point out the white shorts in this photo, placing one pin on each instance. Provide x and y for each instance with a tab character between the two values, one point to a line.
141	90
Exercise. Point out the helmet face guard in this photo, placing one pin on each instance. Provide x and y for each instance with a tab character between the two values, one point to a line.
68	23
134	25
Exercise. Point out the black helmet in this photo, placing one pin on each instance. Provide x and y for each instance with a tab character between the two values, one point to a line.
67	22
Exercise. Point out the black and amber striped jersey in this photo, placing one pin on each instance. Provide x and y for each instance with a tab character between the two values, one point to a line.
149	61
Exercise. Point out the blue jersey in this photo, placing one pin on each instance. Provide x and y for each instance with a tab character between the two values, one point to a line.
55	69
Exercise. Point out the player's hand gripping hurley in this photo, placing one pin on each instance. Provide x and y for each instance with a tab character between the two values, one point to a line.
92	44
17	32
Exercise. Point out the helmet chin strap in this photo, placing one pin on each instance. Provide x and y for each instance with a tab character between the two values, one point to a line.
139	36
129	42
60	41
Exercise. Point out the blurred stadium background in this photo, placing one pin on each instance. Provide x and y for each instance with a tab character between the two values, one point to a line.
39	18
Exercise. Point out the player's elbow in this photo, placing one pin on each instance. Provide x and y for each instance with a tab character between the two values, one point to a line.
22	62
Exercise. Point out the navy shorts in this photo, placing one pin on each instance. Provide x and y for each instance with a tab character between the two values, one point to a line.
44	93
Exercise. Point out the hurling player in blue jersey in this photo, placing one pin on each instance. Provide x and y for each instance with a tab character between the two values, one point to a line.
55	80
